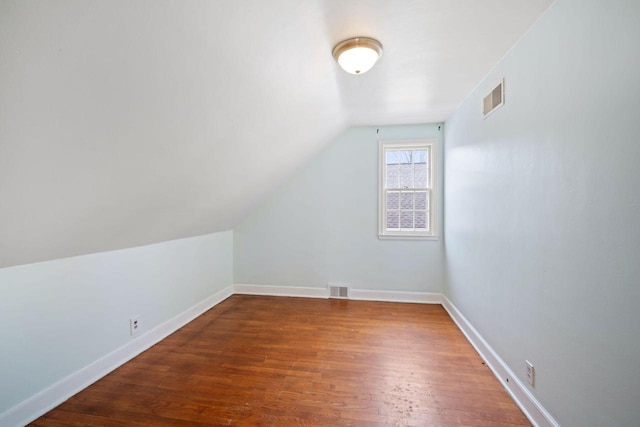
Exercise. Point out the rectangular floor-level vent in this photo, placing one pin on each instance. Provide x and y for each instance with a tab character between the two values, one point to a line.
338	292
494	100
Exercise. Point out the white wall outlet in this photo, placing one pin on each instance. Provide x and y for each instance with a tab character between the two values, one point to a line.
531	373
134	325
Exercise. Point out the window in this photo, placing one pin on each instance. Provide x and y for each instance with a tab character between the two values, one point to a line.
408	193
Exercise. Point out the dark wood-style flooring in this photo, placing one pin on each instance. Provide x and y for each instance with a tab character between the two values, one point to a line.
275	361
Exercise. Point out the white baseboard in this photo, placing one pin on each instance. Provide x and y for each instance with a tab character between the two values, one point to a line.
396	296
355	294
281	291
49	398
536	413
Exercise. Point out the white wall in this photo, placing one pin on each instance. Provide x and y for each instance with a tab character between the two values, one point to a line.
542	208
322	226
59	316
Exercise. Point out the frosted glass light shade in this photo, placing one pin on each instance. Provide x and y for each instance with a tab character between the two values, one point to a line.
357	55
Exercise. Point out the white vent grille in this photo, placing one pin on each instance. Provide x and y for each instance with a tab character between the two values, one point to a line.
338	292
494	100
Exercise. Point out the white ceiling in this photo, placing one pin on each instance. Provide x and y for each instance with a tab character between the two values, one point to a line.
127	122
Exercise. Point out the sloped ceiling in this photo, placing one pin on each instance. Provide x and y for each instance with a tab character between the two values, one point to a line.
128	122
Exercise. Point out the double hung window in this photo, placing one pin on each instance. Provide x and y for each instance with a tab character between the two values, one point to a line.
407	194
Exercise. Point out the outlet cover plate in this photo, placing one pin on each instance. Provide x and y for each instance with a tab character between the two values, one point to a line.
531	373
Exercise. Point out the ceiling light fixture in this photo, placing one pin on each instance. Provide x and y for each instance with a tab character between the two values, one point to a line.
357	55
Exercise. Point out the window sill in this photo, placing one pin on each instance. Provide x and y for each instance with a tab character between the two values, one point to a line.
406	237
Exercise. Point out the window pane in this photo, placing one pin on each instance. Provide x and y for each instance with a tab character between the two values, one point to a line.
406	200
393	200
393	157
421	200
404	156
406	175
421	220
421	175
393	219
420	157
406	219
392	176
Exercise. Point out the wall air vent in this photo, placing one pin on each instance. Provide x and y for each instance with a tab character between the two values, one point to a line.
338	291
494	100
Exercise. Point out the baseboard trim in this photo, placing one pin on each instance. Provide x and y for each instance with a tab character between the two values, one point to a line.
281	291
355	294
396	296
42	402
536	413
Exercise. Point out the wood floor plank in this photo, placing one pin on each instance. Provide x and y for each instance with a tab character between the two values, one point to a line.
277	361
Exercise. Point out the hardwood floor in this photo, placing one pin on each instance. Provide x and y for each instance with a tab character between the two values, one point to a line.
278	361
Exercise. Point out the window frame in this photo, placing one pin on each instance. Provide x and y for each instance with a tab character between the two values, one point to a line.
409	144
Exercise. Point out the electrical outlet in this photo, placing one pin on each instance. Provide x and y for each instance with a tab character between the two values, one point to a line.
531	373
134	325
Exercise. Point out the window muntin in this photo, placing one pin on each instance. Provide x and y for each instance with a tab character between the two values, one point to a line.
406	189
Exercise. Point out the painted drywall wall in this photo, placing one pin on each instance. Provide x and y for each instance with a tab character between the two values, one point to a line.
322	226
542	202
59	316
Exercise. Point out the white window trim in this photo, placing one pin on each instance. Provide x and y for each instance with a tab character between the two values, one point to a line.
412	144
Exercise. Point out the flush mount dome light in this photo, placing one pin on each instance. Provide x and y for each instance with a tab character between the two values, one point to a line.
357	55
